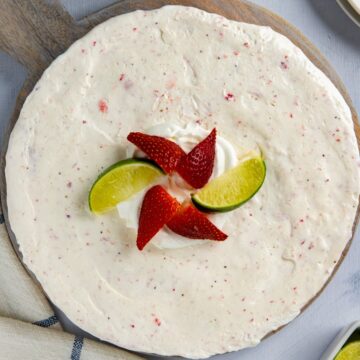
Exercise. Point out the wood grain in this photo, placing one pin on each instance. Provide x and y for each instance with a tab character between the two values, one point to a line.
35	32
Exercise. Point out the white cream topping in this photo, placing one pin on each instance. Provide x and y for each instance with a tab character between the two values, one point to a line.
190	135
182	65
186	137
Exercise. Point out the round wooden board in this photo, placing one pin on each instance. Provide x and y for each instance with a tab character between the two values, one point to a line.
35	32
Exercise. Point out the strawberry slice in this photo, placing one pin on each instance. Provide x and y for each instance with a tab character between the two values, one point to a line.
197	166
193	224
164	152
157	209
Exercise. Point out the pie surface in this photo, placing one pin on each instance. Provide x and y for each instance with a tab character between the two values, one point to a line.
179	65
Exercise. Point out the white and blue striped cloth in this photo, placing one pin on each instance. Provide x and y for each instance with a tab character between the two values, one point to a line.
29	329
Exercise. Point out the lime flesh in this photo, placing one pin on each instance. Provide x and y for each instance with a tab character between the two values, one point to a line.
350	351
120	181
233	188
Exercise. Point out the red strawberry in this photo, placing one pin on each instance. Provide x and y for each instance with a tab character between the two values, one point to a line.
157	209
193	224
197	166
164	152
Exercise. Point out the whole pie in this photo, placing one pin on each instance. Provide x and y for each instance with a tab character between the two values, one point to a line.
177	73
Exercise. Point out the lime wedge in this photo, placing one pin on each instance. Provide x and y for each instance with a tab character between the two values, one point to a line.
120	181
233	188
350	351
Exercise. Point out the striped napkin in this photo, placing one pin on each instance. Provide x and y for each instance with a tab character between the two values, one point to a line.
29	329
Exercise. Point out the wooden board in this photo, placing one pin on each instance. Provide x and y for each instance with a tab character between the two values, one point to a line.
35	32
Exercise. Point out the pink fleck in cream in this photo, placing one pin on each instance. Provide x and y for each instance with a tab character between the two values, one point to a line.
103	106
229	96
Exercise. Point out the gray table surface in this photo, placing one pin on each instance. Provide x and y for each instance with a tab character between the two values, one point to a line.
324	23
